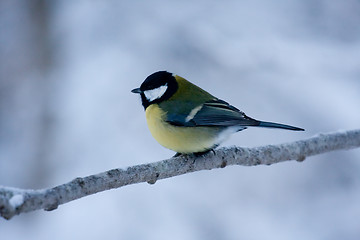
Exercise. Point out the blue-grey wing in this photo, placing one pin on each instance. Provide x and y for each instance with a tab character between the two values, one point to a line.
213	113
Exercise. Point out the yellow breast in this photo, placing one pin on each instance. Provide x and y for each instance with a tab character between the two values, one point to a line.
177	138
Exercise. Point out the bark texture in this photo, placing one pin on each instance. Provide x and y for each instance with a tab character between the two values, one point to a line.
14	201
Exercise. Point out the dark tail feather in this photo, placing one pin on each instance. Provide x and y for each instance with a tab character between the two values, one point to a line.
278	125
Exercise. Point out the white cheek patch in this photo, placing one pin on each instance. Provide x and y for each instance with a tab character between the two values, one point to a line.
156	93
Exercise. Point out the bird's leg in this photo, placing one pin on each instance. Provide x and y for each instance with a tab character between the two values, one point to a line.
177	154
198	154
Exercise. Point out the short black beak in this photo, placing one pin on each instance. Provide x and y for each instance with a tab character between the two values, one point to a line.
136	90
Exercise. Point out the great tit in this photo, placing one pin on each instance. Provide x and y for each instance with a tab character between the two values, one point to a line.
186	119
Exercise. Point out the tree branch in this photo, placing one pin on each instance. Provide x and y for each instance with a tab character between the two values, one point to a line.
14	201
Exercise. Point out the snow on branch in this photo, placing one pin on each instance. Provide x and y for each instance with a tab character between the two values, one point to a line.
14	201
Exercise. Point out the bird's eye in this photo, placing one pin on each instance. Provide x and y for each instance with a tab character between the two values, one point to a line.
155	93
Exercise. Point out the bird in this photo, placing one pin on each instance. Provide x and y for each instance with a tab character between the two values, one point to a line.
187	119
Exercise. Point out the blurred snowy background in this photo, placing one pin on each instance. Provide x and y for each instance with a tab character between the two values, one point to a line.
66	110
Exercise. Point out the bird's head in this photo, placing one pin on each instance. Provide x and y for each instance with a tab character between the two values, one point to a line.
156	88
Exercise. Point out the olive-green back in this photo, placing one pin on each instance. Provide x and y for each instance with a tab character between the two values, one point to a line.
186	98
